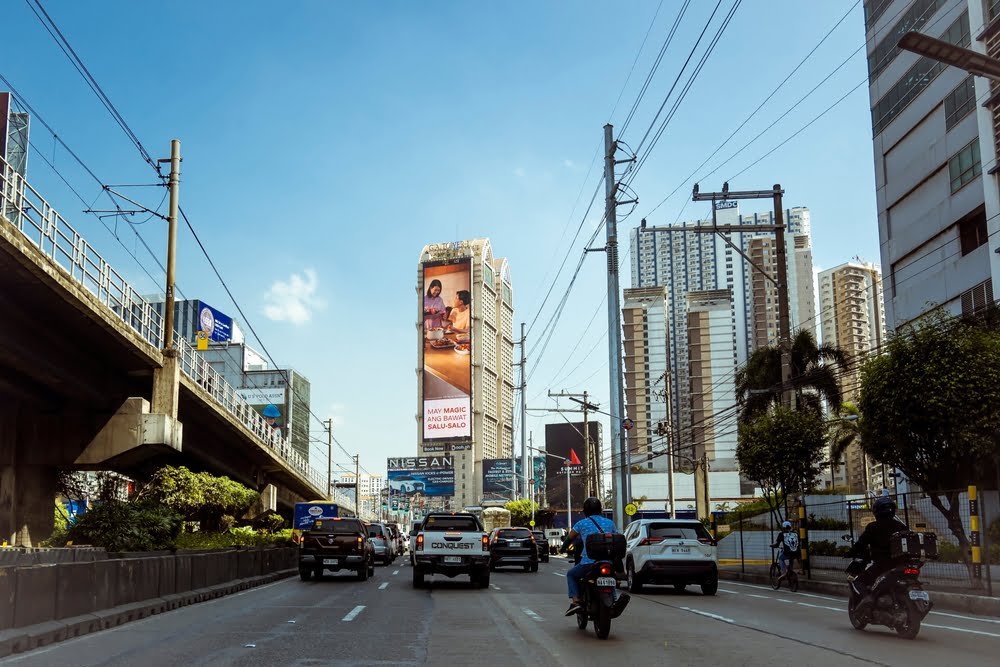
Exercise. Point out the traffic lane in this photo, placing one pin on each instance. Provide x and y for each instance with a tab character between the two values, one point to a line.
822	622
648	632
283	623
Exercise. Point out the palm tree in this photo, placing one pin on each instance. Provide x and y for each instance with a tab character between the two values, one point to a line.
845	430
815	369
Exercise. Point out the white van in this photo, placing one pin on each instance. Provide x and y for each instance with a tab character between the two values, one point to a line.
554	536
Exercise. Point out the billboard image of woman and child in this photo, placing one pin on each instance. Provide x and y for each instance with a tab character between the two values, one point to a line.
447	349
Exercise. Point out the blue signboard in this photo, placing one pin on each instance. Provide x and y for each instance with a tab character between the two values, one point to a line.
496	475
219	326
307	513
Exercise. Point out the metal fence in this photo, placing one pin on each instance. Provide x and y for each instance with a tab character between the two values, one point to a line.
42	225
833	522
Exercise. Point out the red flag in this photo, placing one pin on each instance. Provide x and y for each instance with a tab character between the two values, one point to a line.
573	458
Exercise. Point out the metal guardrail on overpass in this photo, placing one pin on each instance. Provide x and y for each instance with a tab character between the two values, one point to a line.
41	224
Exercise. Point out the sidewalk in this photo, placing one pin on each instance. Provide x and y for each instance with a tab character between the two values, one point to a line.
834	582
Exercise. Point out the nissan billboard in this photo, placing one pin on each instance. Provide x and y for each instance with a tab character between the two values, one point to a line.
447	349
423	475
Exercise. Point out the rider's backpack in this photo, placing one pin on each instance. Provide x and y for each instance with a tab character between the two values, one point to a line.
791	542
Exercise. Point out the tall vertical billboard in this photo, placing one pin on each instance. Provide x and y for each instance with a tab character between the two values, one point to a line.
447	349
565	441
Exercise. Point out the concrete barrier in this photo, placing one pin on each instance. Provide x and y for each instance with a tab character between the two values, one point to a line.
22	557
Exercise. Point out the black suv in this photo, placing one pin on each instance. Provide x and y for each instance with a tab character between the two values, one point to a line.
541	545
513	546
335	545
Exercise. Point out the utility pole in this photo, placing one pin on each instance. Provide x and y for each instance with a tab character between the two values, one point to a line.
621	485
173	185
663	430
586	448
780	281
524	414
357	486
329	458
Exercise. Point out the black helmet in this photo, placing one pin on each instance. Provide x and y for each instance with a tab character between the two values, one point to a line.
884	508
591	506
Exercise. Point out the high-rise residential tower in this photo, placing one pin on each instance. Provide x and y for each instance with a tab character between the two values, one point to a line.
465	389
853	319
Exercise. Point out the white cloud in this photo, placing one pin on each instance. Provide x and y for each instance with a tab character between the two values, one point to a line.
293	300
569	164
520	172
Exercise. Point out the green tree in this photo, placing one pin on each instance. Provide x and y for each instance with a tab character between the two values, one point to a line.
844	431
198	497
520	511
814	376
781	450
931	407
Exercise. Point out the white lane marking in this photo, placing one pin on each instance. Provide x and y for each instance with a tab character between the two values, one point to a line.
705	613
951	627
353	614
494	587
382	586
966	618
762	597
533	615
784	600
395	572
559	574
819	606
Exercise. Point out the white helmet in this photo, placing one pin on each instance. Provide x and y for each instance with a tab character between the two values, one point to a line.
786	524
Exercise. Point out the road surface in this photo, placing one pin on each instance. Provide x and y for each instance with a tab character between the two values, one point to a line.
517	621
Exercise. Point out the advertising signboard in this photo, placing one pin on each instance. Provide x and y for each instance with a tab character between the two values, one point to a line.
446	353
565	440
423	475
496	476
218	326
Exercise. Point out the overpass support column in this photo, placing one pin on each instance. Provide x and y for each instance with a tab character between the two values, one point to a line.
27	493
166	384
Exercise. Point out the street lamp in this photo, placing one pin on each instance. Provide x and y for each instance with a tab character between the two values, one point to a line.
569	504
971	61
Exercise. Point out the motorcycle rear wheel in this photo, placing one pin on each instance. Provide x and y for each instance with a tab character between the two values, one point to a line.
911	628
602	622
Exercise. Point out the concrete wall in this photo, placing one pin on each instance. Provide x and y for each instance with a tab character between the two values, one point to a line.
37	594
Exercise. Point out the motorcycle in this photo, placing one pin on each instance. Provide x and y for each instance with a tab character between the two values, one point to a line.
601	600
902	602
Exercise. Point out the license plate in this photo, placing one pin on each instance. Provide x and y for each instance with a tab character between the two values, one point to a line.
607	581
331	561
919	595
453	559
680	550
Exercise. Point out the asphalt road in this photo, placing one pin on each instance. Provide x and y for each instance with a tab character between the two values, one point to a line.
518	621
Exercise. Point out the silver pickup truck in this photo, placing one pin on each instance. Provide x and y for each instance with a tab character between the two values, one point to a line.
452	543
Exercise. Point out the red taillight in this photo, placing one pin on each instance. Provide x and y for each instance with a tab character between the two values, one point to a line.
646	541
707	540
420	542
915	571
486	542
605	569
361	540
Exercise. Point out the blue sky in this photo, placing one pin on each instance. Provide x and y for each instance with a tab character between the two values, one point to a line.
325	143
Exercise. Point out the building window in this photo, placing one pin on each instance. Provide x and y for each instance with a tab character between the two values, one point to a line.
972	230
918	77
964	166
914	19
959	102
978	297
875	9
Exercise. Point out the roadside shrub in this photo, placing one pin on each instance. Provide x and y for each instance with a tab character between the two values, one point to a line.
125	526
268	522
827	523
826	548
60	531
234	537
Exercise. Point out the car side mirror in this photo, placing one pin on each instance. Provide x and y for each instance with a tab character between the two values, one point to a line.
413	533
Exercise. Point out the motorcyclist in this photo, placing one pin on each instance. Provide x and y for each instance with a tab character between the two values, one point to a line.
593	523
788	544
875	545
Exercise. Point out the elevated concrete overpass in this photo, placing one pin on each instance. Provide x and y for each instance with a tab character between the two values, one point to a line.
86	384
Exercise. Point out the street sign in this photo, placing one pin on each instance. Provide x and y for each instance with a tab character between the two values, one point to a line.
631	509
202	340
532	523
627	424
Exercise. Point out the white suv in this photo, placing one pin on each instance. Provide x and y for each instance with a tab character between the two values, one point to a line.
674	552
